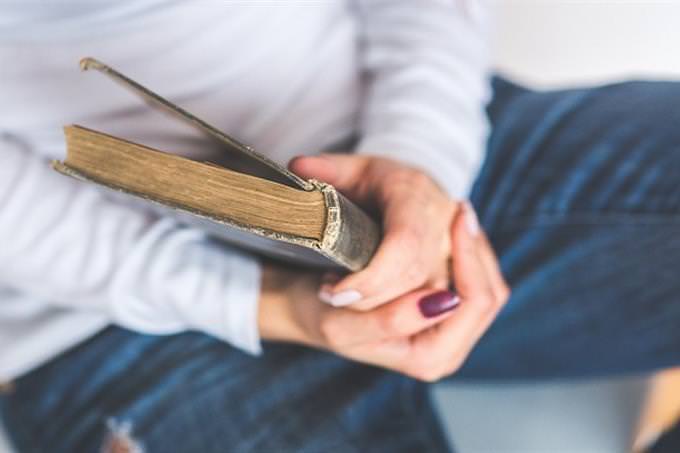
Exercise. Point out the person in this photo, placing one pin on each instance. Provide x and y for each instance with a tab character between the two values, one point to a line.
125	331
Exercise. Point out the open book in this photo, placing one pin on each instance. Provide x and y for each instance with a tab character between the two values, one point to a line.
279	214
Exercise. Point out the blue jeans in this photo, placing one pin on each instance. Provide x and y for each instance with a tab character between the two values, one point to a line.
580	195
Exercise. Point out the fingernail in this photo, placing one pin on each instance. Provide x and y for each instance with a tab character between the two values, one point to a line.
471	220
325	296
341	299
438	303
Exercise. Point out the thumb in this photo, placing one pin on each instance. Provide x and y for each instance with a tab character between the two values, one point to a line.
343	171
469	274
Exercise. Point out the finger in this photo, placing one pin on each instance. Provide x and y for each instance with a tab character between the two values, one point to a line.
387	354
403	317
343	171
489	259
396	268
416	217
469	273
441	278
453	338
412	255
500	289
441	348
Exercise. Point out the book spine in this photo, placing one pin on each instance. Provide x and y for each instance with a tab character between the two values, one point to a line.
351	237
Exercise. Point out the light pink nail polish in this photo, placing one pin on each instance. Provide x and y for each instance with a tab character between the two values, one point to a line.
341	299
325	296
471	220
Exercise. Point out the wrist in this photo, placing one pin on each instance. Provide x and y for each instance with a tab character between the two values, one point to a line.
277	320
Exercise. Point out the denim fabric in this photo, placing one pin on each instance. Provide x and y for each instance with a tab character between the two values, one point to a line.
669	442
580	195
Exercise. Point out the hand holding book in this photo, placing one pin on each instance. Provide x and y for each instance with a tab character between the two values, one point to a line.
266	209
425	334
401	311
416	216
296	215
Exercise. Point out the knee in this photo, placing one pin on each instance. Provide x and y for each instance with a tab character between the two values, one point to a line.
649	111
627	137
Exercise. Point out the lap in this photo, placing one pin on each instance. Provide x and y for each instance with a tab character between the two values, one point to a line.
580	195
190	392
610	149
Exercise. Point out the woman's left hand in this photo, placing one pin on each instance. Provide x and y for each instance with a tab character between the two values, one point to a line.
423	334
416	215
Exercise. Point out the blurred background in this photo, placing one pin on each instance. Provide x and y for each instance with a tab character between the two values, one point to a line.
550	44
554	43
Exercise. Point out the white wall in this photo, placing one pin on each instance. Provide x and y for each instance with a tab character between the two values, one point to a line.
557	42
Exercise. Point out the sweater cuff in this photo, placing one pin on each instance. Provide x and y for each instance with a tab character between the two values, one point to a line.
178	279
241	305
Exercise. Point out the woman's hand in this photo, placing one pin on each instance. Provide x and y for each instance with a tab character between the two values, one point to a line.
416	215
423	334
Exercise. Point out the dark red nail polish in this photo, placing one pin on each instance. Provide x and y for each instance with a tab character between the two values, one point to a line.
438	303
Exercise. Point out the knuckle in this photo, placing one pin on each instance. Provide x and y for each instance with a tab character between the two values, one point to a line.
505	293
418	369
419	179
389	322
428	376
406	238
437	373
431	375
411	267
411	181
427	368
467	247
487	305
415	274
403	177
434	368
455	363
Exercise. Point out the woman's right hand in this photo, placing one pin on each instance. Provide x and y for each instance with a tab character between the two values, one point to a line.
422	334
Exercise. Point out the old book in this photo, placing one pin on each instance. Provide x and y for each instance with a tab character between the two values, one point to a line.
267	209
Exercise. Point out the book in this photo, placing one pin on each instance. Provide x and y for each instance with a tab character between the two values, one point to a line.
264	208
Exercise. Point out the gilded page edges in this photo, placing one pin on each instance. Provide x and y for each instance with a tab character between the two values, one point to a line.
350	236
79	175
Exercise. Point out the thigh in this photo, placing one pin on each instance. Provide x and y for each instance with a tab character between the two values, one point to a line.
192	393
580	195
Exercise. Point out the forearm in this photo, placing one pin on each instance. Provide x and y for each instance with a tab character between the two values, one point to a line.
427	85
68	243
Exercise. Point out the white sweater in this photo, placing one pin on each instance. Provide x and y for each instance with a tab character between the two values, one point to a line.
410	76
